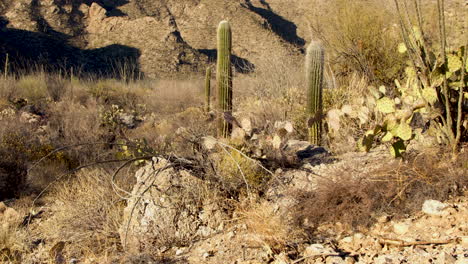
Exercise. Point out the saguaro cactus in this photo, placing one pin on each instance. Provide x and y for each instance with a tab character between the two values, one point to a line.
207	89
314	75
224	77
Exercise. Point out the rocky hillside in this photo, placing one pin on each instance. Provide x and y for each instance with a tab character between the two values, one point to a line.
154	38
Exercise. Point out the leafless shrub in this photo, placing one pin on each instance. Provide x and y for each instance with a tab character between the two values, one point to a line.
393	190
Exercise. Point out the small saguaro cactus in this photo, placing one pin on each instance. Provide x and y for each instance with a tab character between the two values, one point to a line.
314	74
207	89
224	77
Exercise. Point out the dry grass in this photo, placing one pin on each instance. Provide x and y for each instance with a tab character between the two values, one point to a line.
268	227
86	215
394	190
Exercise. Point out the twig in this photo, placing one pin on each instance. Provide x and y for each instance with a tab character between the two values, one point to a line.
402	243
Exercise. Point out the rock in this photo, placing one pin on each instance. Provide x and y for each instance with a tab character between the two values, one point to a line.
26	117
276	142
383	219
283	128
129	120
281	259
246	125
209	142
166	208
238	134
8	217
434	208
303	150
317	250
401	228
445	258
335	260
180	251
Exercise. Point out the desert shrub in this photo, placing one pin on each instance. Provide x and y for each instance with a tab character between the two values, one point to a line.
238	173
360	37
393	189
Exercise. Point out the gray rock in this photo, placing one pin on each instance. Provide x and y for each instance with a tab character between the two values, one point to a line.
166	208
129	120
434	207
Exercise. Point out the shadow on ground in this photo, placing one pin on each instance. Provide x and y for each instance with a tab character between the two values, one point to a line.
241	65
287	30
30	51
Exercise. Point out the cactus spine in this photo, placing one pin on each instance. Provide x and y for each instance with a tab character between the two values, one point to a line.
314	75
207	89
224	77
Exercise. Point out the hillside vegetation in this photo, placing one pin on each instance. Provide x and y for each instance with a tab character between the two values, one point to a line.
335	132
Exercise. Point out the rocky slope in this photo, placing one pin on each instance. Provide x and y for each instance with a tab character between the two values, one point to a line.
150	37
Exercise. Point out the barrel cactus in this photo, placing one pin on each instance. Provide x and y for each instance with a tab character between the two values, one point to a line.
224	77
207	89
314	74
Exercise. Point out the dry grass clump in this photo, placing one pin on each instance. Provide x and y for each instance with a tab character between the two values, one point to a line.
268	227
86	215
395	190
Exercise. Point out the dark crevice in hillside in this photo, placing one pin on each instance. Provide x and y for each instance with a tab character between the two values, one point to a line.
110	6
241	65
29	51
286	29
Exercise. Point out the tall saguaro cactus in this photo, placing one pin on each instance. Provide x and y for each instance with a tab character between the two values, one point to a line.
314	75
224	77
207	89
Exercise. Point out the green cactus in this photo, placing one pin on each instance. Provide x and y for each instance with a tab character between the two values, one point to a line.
207	89
314	75
224	77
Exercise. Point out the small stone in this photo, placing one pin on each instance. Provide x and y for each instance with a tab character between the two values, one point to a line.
246	125
383	219
276	142
180	251
231	235
400	228
445	258
316	249
238	134
335	260
434	207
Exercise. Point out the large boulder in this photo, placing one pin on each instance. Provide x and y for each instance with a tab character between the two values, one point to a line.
169	207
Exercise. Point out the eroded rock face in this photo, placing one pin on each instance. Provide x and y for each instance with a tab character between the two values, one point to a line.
163	51
166	209
170	37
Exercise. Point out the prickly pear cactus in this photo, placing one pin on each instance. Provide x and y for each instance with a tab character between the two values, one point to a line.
314	75
207	89
224	77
